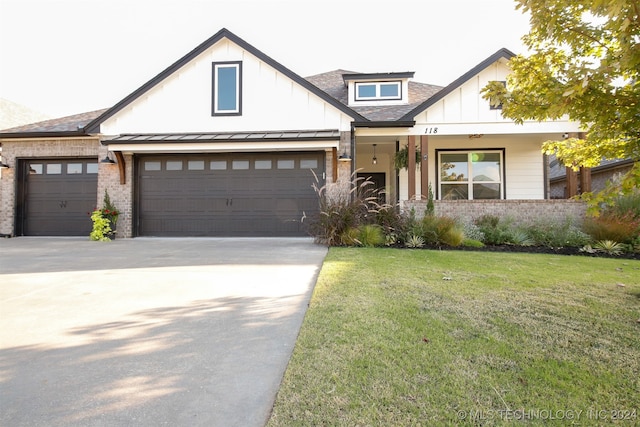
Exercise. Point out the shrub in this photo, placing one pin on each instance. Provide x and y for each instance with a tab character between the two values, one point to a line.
337	215
627	204
439	230
557	234
472	243
520	237
452	237
609	247
101	227
494	230
472	231
370	235
350	237
613	225
389	218
414	241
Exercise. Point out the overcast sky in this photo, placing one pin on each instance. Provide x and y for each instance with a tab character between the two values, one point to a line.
63	57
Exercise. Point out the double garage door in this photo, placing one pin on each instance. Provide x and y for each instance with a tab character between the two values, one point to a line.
255	194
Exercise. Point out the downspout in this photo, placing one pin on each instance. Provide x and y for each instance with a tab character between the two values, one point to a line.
353	150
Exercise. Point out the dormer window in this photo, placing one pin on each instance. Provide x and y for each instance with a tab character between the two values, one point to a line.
378	90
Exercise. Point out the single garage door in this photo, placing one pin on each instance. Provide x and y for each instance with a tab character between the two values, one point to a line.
254	194
56	197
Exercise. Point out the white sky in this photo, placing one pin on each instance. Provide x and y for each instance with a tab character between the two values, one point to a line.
63	57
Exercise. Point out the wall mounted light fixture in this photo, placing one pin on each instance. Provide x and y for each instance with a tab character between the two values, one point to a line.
3	165
108	160
344	157
375	159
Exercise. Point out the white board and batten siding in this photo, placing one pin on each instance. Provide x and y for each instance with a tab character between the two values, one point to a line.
182	102
463	112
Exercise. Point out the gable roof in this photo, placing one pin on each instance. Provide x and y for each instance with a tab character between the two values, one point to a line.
63	126
502	53
223	33
333	83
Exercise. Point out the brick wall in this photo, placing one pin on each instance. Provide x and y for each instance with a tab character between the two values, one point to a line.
520	211
34	148
121	195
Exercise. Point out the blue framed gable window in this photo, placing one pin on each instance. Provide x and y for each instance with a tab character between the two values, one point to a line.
227	89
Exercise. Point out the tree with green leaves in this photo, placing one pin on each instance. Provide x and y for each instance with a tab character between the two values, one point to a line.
585	65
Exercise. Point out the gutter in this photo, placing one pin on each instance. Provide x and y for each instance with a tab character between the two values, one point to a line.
384	124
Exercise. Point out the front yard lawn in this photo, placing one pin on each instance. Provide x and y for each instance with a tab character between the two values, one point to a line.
427	337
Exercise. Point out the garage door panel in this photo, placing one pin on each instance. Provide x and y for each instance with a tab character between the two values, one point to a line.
58	195
255	194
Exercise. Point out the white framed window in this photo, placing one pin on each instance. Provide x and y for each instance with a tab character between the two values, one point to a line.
368	91
471	175
227	88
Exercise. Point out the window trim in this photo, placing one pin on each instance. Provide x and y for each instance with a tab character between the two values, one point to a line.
377	97
214	88
470	182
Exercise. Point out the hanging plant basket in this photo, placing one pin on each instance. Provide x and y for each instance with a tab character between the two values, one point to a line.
401	158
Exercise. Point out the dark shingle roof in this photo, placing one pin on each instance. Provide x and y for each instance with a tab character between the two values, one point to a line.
333	84
61	126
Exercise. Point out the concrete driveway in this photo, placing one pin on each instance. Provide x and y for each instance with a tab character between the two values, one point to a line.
149	332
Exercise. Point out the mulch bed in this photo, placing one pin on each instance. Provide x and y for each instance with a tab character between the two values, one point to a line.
533	250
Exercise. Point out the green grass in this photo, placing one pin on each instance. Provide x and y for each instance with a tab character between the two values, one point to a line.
420	337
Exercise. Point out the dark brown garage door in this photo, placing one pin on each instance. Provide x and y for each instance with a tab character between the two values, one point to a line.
227	194
55	197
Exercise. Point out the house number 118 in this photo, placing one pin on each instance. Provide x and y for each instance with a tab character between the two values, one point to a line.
431	131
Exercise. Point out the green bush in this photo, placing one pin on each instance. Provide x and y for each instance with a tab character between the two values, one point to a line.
452	237
472	243
557	234
370	235
494	230
441	230
350	237
101	227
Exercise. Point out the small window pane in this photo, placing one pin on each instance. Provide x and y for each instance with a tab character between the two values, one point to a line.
74	168
54	169
218	165
454	167
195	165
174	165
486	166
35	169
92	168
227	89
455	192
240	164
286	164
308	163
152	166
486	191
389	90
366	91
263	164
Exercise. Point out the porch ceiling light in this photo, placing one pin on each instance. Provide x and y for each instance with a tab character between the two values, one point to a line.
375	159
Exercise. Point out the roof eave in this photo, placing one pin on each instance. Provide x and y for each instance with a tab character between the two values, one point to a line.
384	124
49	134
